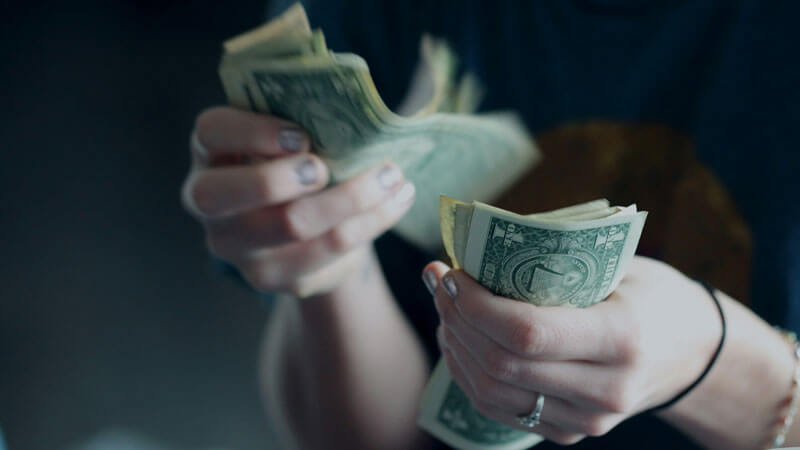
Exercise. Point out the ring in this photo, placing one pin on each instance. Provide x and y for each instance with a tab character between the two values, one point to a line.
532	419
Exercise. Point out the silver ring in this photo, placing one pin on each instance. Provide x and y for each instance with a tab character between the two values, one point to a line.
532	419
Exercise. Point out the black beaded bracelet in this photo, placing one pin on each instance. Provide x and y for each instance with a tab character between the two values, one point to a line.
714	358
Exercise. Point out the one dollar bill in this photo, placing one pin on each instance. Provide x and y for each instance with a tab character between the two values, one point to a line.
574	256
284	68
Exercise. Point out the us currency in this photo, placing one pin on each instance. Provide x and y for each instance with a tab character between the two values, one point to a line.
572	257
284	68
435	89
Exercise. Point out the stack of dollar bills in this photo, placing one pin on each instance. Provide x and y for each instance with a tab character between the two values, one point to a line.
573	256
285	69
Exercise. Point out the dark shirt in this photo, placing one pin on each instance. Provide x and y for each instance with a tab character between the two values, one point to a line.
724	73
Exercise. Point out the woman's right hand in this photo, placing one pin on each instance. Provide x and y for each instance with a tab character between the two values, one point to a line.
262	199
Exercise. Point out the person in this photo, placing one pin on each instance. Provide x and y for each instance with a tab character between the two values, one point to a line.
346	368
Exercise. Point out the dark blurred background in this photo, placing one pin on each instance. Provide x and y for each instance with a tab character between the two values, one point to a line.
111	316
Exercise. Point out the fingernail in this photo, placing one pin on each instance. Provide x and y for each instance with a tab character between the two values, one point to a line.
429	279
389	176
306	172
450	286
291	139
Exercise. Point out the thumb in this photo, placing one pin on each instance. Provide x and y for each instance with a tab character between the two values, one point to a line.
433	273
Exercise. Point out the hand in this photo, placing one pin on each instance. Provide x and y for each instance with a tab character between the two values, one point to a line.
260	195
596	367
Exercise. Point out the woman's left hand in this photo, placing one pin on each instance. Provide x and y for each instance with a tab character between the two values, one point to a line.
596	367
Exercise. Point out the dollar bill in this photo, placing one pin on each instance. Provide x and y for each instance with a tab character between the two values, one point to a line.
284	68
574	257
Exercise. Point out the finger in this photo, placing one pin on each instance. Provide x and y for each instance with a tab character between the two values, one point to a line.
549	431
514	401
587	384
556	378
225	131
579	382
576	423
567	379
490	411
545	333
279	269
316	215
432	273
226	191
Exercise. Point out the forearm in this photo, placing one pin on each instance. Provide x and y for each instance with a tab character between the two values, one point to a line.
345	370
738	403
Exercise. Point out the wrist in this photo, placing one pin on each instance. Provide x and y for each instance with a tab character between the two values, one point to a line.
335	279
788	408
358	281
735	406
705	362
354	272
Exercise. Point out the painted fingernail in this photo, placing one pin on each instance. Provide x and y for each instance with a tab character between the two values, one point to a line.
389	176
429	278
291	139
307	172
450	286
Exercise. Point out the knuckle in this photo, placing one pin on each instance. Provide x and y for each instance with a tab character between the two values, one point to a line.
264	187
293	221
500	366
618	398
630	350
528	337
629	347
341	239
352	198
